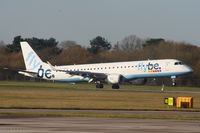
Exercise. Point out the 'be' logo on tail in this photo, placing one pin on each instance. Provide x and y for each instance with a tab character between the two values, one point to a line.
42	73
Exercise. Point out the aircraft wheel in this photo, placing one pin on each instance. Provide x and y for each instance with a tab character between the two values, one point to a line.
99	85
173	84
115	86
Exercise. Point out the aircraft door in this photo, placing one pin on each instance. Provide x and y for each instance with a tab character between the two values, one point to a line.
167	66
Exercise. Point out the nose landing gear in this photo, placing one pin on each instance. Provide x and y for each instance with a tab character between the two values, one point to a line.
173	83
173	80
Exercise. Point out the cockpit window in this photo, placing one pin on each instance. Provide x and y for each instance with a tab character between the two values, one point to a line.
178	63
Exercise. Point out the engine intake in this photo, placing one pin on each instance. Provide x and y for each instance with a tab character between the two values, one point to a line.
113	78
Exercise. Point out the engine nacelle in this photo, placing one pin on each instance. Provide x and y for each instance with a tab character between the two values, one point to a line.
113	78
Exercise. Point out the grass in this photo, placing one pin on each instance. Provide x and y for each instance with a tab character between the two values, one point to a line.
86	96
85	86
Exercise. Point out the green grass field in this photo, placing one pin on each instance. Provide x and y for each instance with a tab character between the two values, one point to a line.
86	96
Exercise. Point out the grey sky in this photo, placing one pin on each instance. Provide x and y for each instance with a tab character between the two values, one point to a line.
82	20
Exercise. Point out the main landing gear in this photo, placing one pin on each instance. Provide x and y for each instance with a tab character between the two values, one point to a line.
99	85
115	86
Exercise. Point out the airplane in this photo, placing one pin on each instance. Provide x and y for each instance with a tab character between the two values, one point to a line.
112	73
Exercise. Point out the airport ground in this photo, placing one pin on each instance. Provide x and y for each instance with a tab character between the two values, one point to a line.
95	125
59	107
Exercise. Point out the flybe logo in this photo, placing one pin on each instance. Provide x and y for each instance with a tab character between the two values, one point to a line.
31	61
34	64
44	73
150	67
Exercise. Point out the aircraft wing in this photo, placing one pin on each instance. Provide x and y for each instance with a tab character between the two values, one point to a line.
92	75
85	74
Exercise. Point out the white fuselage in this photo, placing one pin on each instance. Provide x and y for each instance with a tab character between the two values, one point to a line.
128	70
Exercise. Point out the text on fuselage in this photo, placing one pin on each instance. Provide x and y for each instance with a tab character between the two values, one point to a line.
150	67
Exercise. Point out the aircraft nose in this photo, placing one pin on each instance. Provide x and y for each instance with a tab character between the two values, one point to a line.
189	69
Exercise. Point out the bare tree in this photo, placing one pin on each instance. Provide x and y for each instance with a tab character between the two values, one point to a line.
2	47
2	43
73	55
131	43
66	44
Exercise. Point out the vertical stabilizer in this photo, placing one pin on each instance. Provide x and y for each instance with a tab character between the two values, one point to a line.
31	59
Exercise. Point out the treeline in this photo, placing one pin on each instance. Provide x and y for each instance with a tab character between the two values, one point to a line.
100	50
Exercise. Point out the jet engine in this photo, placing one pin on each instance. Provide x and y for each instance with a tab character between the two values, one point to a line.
113	78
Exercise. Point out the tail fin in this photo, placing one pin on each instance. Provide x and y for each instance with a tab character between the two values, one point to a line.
31	59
